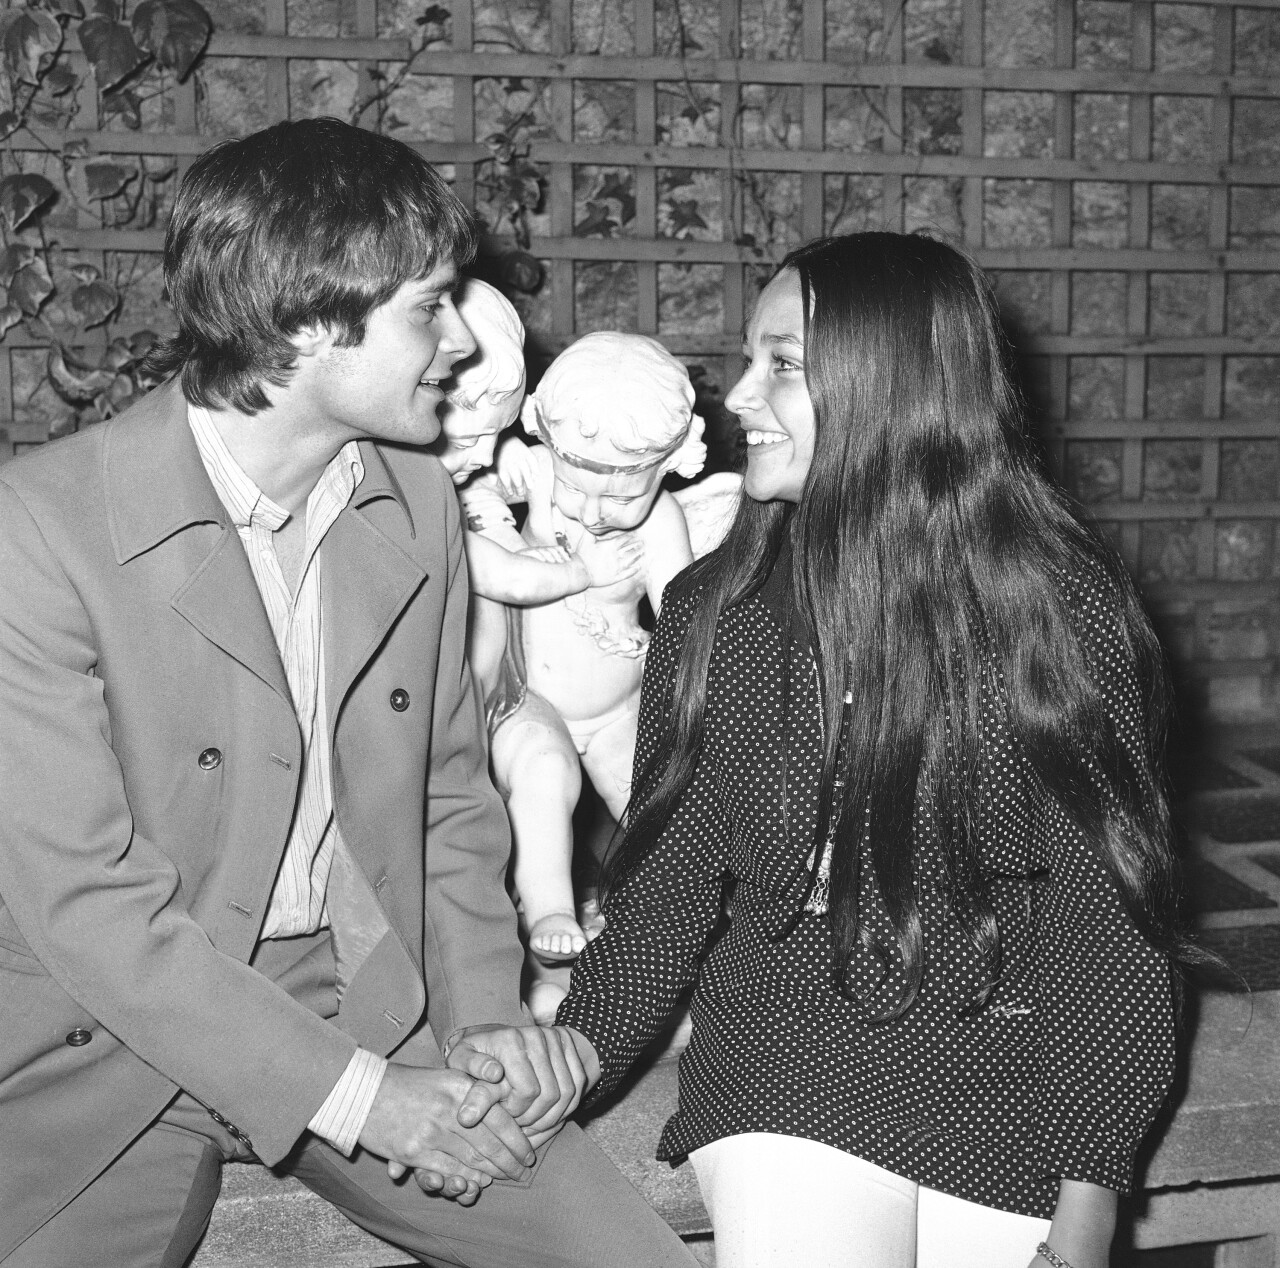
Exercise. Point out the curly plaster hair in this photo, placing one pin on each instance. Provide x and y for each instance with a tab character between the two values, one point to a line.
627	386
496	368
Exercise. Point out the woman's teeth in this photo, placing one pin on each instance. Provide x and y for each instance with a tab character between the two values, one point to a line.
765	437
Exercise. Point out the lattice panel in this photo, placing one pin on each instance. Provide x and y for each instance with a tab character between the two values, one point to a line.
1114	165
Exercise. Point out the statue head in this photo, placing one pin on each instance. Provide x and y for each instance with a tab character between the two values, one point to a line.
616	413
483	396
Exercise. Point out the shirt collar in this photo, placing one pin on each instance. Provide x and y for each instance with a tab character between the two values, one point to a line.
245	502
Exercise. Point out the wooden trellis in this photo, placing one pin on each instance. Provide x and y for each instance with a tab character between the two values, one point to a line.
1187	480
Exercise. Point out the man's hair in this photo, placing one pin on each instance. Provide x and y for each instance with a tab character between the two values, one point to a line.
307	222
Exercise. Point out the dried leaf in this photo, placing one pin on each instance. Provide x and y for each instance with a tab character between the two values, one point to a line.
9	124
64	8
111	48
106	180
175	31
75	380
76	148
21	196
436	13
84	273
31	286
95	303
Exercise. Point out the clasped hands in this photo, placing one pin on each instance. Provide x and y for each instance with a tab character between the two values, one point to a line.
505	1091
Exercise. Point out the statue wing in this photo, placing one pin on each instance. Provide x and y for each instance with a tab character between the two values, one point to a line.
709	506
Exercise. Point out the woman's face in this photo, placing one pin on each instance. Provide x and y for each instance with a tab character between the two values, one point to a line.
771	398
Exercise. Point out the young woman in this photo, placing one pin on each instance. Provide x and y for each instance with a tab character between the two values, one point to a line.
908	716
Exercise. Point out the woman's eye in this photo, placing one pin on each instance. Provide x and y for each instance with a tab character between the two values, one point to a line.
783	363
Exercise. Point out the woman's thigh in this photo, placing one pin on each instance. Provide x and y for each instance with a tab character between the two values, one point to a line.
953	1233
786	1202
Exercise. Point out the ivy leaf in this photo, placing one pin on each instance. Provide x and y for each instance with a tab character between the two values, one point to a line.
116	356
77	148
175	31
10	315
61	79
9	124
106	180
119	395
64	8
75	380
127	104
95	303
12	258
31	39
110	47
501	146
141	342
436	13
31	286
521	271
619	187
21	196
685	216
599	223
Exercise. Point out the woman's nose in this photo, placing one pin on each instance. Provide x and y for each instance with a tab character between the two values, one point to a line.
738	399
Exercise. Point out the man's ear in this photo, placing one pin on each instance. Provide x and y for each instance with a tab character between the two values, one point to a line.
312	339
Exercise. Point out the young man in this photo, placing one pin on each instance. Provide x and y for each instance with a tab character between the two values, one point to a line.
251	865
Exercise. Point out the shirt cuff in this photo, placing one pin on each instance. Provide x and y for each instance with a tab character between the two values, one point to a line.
341	1118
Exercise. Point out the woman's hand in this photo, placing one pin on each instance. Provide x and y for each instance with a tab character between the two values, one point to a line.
1084	1223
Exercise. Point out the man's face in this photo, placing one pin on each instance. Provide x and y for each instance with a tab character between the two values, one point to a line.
470	433
388	387
602	503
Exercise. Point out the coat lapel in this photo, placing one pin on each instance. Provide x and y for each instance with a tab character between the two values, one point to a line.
367	579
158	491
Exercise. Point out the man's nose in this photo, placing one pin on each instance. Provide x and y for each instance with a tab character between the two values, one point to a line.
457	336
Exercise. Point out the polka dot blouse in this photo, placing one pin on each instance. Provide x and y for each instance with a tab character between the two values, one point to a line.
1058	1075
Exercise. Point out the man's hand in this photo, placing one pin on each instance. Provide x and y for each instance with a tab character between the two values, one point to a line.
540	1080
448	1128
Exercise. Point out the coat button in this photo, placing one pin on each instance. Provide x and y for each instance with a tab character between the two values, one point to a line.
399	699
79	1037
210	758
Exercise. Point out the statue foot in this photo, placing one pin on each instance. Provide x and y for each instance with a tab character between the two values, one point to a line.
556	938
544	999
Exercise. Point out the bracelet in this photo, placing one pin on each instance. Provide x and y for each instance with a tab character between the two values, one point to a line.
1051	1256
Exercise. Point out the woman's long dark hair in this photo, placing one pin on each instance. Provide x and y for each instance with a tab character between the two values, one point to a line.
930	562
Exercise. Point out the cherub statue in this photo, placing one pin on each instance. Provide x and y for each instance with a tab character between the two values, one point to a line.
614	413
483	398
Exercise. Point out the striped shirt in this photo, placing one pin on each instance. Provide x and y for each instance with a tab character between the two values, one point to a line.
297	903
